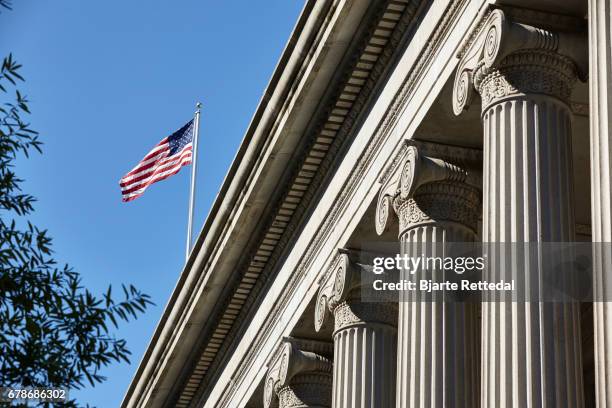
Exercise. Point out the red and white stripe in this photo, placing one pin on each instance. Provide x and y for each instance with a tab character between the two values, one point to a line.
154	167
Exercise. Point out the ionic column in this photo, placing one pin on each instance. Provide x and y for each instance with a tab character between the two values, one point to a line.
364	339
438	338
600	82
524	75
300	375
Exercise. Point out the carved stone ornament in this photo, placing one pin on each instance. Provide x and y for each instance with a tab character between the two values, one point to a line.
339	296
351	314
425	189
300	375
508	59
339	281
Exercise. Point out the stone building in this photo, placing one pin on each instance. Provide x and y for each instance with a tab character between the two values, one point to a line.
415	122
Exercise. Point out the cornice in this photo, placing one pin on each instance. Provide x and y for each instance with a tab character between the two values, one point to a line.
383	131
451	13
159	358
312	168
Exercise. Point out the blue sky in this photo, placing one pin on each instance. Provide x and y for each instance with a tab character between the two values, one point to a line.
107	80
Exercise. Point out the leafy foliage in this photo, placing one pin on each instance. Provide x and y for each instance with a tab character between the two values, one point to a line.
53	331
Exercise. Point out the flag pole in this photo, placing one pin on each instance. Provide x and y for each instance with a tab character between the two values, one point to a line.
194	163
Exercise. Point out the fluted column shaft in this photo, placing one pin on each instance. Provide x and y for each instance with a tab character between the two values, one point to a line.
438	346
531	351
600	81
365	339
365	347
432	190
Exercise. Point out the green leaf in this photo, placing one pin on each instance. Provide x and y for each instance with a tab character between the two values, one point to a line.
53	330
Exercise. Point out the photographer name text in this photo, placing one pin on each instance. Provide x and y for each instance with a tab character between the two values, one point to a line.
427	286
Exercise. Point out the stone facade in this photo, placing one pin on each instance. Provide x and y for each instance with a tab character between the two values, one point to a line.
411	123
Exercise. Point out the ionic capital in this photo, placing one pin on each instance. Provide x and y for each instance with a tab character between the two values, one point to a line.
372	314
339	296
341	279
430	183
508	58
300	374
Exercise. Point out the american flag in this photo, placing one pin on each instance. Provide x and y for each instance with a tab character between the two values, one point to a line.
163	161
